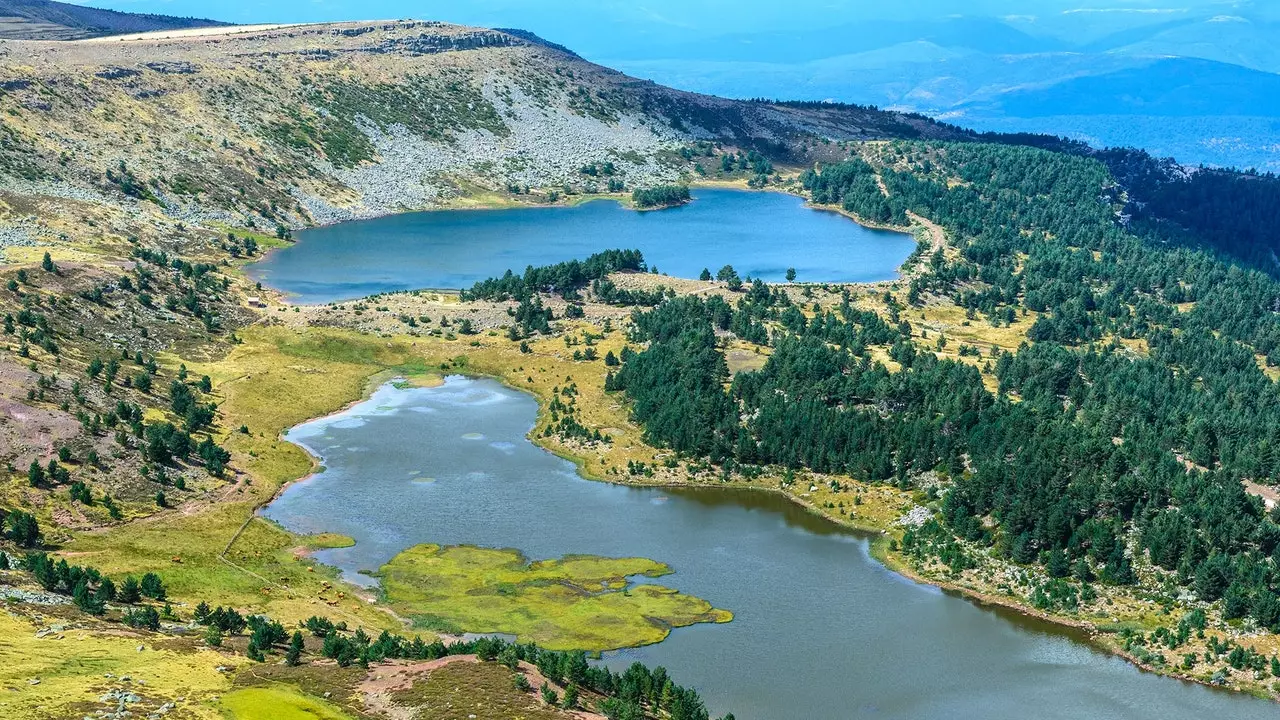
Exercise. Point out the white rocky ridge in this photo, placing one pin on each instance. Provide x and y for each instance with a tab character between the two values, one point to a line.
545	147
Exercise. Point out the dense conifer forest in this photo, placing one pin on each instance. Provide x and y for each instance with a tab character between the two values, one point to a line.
564	279
1090	453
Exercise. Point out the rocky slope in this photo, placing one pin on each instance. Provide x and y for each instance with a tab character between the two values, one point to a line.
310	124
120	157
49	20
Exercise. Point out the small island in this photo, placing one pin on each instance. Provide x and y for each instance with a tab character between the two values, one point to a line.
662	196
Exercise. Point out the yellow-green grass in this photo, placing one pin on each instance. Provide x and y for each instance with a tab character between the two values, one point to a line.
264	240
475	197
945	319
266	570
277	702
744	357
20	255
1271	371
275	379
72	666
576	602
327	541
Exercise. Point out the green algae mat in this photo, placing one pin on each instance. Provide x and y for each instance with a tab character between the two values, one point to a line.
578	602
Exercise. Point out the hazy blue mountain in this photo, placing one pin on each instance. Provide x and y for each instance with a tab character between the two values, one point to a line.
1224	38
1195	78
986	35
1172	87
1196	83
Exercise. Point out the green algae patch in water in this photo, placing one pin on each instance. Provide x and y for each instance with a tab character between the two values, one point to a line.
578	602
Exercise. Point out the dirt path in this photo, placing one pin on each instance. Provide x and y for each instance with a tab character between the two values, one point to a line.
1269	495
937	236
385	680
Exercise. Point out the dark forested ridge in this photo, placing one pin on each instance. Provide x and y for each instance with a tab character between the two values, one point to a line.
1101	464
1233	212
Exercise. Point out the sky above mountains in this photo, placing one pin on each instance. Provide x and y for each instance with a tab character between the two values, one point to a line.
1196	79
602	25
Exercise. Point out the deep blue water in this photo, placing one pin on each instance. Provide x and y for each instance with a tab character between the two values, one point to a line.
760	233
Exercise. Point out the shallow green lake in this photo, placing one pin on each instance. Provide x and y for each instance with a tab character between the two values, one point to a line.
821	630
760	233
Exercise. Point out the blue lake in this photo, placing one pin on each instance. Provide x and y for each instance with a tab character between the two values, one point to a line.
821	631
760	233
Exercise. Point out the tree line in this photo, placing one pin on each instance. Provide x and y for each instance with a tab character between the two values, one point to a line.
660	196
1086	453
564	279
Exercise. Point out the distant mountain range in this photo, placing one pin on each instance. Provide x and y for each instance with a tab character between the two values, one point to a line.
1199	85
1194	79
46	20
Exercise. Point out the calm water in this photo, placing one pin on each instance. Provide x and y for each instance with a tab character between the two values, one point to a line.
822	631
760	233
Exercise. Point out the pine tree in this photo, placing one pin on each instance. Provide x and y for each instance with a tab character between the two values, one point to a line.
84	598
294	656
130	591
152	586
213	636
106	590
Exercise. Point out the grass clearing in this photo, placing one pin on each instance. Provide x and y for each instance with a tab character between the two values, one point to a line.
274	380
72	668
278	702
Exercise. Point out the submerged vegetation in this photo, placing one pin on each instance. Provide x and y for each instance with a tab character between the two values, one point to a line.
577	602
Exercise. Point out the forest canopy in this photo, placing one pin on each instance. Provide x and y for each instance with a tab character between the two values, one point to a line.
1087	454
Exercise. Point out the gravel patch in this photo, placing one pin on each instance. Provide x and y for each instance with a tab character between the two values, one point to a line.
915	517
546	146
33	597
17	236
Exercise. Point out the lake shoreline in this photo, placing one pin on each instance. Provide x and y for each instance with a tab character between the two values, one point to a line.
1082	630
1075	629
267	259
